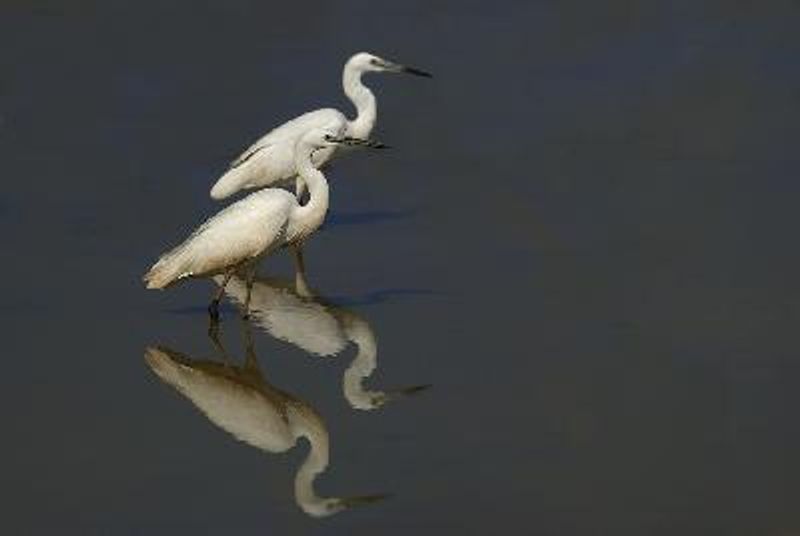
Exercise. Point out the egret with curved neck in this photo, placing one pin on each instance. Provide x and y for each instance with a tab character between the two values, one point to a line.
269	161
238	236
362	98
240	401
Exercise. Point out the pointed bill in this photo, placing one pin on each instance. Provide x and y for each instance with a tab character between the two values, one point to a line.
359	142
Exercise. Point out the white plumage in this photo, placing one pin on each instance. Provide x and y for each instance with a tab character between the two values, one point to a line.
269	161
300	320
253	227
240	233
324	329
241	402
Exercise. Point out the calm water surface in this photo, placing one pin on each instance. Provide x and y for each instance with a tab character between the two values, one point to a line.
584	243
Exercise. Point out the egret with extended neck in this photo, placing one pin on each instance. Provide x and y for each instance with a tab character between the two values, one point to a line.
269	161
241	234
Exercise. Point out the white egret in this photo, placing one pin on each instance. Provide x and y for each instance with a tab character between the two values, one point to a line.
270	160
240	401
244	232
320	328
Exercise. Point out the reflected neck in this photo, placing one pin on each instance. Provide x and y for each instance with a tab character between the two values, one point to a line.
314	464
363	99
362	366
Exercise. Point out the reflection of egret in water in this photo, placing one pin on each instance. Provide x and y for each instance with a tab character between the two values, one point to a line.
240	401
296	316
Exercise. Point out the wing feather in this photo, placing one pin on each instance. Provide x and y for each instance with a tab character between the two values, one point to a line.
243	231
270	160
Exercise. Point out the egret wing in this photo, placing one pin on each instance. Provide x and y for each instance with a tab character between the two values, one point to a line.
241	232
291	130
270	160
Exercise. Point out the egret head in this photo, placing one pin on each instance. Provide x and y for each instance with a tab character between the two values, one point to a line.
365	62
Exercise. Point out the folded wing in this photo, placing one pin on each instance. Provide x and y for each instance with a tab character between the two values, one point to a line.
270	160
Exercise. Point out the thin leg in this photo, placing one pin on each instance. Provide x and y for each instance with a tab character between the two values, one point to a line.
301	285
213	334
299	261
213	307
251	361
251	276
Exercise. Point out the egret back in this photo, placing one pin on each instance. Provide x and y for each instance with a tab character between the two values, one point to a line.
270	160
241	232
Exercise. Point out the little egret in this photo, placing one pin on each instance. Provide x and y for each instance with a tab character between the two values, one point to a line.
298	317
270	160
244	232
240	401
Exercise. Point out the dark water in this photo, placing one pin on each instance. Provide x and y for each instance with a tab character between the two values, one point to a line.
585	241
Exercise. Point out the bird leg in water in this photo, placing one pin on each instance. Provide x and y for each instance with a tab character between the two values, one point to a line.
300	282
299	261
251	276
213	334
250	360
301	286
213	307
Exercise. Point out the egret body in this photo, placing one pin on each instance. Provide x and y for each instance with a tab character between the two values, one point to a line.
269	161
244	232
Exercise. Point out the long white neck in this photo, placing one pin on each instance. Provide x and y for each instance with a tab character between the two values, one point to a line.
305	219
362	366
314	464
363	99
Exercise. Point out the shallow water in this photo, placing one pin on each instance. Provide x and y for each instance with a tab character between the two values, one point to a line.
584	241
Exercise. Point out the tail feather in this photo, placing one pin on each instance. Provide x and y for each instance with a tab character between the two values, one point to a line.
167	270
231	181
260	166
163	362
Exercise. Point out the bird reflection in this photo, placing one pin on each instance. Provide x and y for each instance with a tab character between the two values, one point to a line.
292	313
240	401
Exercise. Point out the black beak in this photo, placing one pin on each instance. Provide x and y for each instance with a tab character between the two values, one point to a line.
415	71
358	142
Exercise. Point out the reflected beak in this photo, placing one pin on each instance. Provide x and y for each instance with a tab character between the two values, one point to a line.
350	502
358	142
405	391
